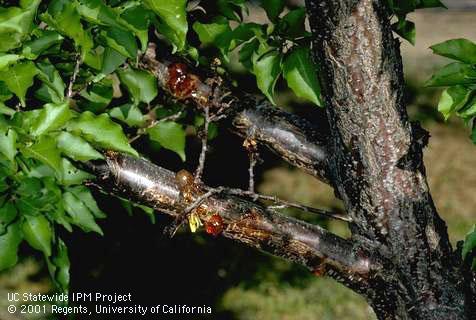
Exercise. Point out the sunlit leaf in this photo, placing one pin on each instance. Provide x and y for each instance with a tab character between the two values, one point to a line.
266	68
102	131
301	75
453	74
173	19
77	148
38	232
19	78
44	150
169	135
457	49
51	117
9	242
140	84
80	214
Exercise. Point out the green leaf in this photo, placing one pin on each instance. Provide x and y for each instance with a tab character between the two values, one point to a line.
8	213
80	214
292	24
469	242
453	99
96	12
140	84
55	86
405	29
453	74
122	41
6	110
38	232
9	243
98	96
129	114
301	75
77	148
51	117
64	17
457	49
137	19
173	19
112	60
8	146
84	194
70	175
468	111
44	150
16	24
208	32
170	135
267	68
273	8
8	59
59	266
246	53
102	131
34	48
19	78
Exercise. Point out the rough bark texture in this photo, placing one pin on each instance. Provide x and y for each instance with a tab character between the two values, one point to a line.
376	162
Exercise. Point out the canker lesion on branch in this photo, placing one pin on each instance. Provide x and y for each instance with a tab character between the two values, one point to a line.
240	218
235	213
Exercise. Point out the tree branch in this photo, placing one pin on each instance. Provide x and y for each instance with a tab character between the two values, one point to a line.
242	220
376	159
293	138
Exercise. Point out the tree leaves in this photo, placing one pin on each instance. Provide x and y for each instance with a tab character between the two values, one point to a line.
301	75
267	68
45	150
19	78
458	49
77	148
8	143
453	99
16	24
51	117
80	213
170	135
63	16
173	20
453	74
273	8
38	233
9	243
470	245
102	131
209	32
140	84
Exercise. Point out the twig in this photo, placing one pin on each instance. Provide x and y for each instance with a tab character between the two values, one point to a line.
142	130
282	203
251	185
73	76
201	159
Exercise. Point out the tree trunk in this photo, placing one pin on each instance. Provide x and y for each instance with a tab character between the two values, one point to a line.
376	164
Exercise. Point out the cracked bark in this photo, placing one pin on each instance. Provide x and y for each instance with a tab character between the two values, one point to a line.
243	220
376	163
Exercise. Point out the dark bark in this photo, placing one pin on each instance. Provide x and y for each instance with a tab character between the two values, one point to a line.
293	138
376	162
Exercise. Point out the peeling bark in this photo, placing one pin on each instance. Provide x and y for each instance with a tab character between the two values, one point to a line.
241	219
376	162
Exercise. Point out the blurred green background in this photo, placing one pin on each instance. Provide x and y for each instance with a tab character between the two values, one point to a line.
240	283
